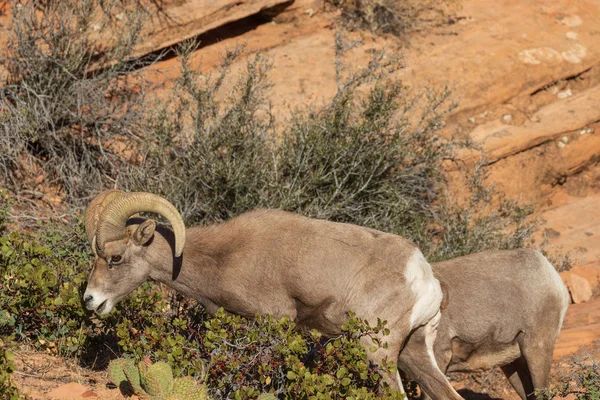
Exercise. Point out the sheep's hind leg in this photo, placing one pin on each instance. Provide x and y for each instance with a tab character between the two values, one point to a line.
537	350
389	354
418	360
517	374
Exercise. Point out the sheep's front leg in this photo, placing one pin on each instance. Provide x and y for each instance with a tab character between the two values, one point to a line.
418	361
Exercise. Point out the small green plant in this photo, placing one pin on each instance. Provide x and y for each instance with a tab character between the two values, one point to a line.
7	366
581	381
154	381
40	297
5	204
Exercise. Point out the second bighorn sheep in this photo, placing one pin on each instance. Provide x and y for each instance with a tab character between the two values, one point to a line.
500	309
265	262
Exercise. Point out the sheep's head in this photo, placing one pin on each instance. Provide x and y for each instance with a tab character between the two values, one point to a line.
120	265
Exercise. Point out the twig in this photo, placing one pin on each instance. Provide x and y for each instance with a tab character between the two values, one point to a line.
31	375
32	218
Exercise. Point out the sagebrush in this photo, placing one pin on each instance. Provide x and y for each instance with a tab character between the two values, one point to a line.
70	95
372	156
398	18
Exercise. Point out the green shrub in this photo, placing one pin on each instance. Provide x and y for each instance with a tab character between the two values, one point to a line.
240	358
7	366
235	357
40	297
5	204
580	381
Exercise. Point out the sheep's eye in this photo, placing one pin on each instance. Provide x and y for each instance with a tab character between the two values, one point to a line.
115	259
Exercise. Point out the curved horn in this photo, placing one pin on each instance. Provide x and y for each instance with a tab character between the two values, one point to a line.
93	211
113	219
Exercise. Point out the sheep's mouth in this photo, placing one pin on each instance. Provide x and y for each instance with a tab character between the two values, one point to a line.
101	307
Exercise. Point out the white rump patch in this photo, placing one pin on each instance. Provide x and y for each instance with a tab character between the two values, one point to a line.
426	289
560	285
430	336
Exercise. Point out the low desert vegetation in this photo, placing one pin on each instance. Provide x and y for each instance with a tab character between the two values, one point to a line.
397	18
372	157
7	366
74	120
68	95
233	357
580	381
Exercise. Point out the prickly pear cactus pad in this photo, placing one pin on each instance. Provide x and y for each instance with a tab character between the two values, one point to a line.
181	386
154	381
133	376
116	373
199	393
124	374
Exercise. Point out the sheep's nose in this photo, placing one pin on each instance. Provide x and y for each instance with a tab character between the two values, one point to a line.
87	299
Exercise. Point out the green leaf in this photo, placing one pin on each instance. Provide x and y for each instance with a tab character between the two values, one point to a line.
328	380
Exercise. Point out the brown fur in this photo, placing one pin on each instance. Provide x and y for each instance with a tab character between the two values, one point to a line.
279	263
502	309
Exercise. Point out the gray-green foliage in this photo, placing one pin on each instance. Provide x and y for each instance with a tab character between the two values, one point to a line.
65	101
372	155
579	379
8	391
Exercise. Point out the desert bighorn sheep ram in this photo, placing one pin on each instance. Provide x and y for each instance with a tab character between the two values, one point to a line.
500	309
265	262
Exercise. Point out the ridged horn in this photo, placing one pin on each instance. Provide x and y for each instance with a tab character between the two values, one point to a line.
93	211
113	219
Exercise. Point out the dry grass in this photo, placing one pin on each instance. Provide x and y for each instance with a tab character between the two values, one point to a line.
394	17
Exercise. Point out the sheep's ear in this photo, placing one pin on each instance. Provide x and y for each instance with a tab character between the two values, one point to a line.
144	232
